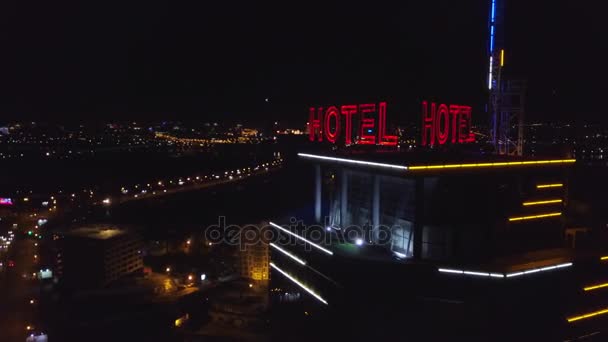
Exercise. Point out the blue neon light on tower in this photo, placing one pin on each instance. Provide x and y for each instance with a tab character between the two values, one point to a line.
505	115
492	58
494	62
491	39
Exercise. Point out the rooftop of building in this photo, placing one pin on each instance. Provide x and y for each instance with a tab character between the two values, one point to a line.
429	159
98	232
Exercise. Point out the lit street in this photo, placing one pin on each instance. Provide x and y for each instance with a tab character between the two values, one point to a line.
17	291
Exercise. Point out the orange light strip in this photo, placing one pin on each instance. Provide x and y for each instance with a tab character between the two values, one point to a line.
545	186
595	287
522	218
526	204
585	316
473	165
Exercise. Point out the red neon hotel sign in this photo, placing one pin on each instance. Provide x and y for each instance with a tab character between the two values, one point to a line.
328	123
441	124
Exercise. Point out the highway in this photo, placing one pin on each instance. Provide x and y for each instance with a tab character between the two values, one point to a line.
159	189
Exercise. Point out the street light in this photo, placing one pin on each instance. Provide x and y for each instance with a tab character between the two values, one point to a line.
168	269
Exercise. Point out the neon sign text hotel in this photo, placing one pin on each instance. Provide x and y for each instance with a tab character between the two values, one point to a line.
441	124
320	124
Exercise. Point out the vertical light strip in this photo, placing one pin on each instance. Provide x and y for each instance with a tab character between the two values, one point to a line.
502	57
492	39
297	282
287	253
493	10
301	238
490	75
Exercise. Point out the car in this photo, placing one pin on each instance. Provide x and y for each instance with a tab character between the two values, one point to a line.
11	263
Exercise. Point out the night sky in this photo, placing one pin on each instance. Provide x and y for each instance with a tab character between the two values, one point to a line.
220	60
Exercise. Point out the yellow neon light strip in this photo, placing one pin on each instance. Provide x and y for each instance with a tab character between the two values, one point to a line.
542	202
595	287
544	186
604	257
522	218
589	315
502	57
522	163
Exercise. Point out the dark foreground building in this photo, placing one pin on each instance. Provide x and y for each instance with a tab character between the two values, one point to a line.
434	245
93	256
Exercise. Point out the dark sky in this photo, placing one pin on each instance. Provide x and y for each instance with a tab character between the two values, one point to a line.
220	59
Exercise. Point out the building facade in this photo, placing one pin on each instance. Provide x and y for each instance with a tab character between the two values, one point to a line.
395	235
93	256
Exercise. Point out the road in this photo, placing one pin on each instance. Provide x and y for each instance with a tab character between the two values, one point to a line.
198	186
16	312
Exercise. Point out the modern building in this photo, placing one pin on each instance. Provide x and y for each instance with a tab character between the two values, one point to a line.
417	241
93	256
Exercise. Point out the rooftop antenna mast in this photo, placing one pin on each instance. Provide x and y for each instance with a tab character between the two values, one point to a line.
506	103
